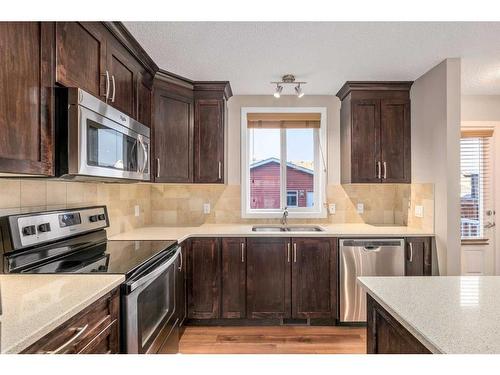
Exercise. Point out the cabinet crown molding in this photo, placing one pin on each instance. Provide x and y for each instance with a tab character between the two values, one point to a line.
350	86
218	86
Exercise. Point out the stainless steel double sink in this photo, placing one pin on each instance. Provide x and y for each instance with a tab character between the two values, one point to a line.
288	228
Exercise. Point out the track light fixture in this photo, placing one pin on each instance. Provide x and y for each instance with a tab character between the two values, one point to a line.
288	79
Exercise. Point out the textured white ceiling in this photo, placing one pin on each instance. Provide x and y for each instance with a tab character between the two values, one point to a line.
326	54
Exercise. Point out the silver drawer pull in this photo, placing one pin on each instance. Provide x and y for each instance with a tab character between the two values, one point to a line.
79	332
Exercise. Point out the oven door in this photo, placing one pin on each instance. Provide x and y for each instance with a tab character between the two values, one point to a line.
149	305
108	149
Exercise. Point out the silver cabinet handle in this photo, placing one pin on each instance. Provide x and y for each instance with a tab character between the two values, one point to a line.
114	89
385	170
379	170
242	252
158	167
79	332
180	265
295	252
411	253
288	252
220	170
107	85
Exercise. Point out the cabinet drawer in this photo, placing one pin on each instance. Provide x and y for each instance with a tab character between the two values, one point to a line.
94	330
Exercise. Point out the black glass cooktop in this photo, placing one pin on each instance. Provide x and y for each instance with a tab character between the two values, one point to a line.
88	254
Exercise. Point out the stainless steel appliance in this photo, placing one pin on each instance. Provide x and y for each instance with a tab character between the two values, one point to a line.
74	241
96	141
365	257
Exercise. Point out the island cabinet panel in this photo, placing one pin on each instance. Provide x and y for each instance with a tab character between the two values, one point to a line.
95	330
418	256
385	335
81	56
268	278
203	281
26	97
314	278
233	277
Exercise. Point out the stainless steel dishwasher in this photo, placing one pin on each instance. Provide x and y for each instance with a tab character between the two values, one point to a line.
365	257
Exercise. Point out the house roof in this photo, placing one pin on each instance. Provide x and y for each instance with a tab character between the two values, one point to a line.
261	163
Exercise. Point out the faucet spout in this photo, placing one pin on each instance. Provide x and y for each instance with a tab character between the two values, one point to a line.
284	218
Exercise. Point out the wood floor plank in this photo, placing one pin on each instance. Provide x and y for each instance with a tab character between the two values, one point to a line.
273	340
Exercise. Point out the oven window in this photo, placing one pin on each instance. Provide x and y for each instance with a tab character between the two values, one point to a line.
156	305
109	148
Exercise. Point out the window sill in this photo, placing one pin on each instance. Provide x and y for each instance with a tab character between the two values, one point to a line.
279	215
475	241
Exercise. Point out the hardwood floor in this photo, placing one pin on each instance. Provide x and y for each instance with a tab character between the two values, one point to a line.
273	340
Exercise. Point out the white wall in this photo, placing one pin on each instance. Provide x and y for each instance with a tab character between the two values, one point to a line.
331	103
435	116
480	108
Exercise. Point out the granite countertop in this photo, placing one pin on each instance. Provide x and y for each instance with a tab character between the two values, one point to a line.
448	314
245	230
34	305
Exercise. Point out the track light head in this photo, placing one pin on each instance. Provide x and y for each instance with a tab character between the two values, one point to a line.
298	91
277	92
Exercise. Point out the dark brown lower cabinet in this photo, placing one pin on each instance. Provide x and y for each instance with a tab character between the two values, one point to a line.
233	277
314	278
387	336
97	327
268	278
418	256
203	281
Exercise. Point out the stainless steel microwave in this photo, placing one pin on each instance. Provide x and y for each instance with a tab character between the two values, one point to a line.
96	141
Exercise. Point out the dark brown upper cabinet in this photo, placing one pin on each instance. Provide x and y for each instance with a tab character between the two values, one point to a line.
418	256
375	132
144	99
314	278
26	97
233	277
172	132
209	128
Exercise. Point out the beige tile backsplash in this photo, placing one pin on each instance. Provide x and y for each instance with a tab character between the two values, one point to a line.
182	205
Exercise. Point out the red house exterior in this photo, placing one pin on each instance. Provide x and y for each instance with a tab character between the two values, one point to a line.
265	185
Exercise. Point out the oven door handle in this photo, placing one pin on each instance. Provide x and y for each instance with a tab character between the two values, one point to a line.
149	277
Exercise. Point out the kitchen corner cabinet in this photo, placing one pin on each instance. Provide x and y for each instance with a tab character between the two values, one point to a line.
203	278
209	128
375	132
418	256
95	330
26	97
233	277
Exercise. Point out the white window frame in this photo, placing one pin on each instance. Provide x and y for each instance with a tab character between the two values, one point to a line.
320	175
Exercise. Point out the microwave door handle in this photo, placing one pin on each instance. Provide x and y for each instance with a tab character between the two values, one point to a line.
146	279
145	155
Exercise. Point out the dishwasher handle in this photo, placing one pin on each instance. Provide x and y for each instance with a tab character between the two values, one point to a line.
371	249
370	243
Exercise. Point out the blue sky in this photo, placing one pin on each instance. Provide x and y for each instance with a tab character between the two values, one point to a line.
300	145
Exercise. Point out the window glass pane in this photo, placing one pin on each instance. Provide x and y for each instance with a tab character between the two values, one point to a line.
300	165
264	158
471	155
291	198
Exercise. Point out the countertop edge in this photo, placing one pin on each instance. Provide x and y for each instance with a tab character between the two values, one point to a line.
413	330
60	319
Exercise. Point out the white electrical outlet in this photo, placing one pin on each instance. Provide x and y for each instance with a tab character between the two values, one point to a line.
206	208
137	210
419	211
360	208
332	208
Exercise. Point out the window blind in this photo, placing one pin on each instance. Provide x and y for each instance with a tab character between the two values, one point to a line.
284	120
475	182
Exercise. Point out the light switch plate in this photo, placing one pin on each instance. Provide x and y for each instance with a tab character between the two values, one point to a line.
137	210
206	208
360	208
419	211
332	208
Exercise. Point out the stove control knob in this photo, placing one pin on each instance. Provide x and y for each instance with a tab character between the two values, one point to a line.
93	218
29	230
45	227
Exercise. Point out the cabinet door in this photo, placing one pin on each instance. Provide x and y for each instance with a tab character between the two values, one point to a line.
365	140
26	97
173	137
203	280
395	140
81	56
314	278
209	141
143	103
233	278
418	256
268	278
122	79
